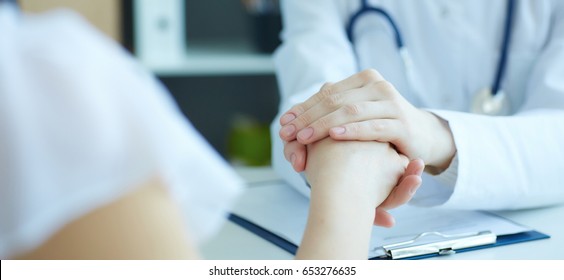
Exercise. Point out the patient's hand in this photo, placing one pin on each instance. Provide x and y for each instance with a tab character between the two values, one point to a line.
348	179
368	170
400	194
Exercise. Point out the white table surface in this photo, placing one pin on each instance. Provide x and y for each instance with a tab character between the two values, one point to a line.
235	242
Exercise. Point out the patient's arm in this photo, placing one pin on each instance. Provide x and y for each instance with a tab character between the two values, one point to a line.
145	224
348	181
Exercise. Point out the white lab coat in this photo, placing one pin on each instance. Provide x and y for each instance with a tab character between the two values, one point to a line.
502	162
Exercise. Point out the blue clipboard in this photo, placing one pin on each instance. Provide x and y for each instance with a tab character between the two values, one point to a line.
292	248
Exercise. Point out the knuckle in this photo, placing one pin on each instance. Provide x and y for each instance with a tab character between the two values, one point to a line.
323	123
288	149
325	91
370	75
297	109
386	88
354	128
303	120
326	86
332	101
352	109
376	125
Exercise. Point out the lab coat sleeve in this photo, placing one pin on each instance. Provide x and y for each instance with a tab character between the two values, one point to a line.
315	50
516	161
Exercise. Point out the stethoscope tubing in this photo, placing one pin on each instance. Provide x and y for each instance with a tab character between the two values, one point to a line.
9	1
366	9
502	63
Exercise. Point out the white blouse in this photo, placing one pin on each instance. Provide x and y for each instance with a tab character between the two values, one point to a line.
81	123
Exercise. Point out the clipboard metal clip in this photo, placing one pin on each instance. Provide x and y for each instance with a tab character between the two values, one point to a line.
448	246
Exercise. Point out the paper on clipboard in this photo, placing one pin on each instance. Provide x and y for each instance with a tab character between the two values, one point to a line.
283	211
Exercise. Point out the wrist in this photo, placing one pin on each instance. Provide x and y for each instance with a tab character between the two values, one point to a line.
443	148
336	193
336	231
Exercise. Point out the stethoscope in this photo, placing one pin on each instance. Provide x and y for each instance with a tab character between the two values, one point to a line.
10	4
15	2
489	101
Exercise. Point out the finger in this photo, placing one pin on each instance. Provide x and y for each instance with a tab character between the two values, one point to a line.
296	154
350	113
415	167
358	80
353	105
301	108
345	101
408	185
298	109
404	162
322	108
402	193
355	81
383	218
382	130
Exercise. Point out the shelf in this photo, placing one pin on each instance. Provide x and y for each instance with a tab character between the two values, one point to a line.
215	58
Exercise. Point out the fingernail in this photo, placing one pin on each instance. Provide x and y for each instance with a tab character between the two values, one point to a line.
293	159
338	130
305	133
288	131
287	118
412	190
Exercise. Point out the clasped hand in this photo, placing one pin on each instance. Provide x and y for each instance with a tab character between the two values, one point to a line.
366	107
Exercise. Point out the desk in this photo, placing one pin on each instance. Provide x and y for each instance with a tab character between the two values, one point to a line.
235	242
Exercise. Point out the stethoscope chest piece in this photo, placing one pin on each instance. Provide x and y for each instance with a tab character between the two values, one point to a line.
486	103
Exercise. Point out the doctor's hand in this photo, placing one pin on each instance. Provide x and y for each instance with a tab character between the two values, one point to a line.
367	107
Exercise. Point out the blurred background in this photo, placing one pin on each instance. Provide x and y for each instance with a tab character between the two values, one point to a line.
213	56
